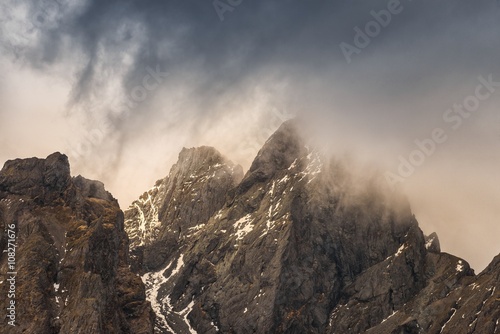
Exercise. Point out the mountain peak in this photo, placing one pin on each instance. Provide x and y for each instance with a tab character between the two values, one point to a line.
432	243
195	188
44	179
72	253
200	154
191	160
302	244
284	205
279	152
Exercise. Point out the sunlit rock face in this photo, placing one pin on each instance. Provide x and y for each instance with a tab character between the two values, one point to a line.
72	265
299	244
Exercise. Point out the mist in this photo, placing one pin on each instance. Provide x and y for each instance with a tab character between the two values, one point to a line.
121	87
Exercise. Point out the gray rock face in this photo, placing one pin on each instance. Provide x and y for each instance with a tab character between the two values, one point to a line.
44	180
160	221
72	254
432	243
92	189
300	245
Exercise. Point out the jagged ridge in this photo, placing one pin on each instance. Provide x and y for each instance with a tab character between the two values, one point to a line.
72	253
299	246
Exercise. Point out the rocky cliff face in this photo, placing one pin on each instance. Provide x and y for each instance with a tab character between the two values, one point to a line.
299	245
165	217
71	256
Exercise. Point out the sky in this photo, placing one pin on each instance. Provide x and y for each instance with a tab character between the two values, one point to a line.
122	86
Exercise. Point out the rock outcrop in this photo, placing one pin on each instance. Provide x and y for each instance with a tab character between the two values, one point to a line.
299	245
71	256
196	187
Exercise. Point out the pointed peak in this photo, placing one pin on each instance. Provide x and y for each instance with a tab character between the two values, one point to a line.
494	266
43	178
203	153
59	158
287	130
432	243
55	160
285	146
195	158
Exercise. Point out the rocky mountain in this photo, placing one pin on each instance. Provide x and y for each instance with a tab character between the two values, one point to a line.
64	240
195	189
300	244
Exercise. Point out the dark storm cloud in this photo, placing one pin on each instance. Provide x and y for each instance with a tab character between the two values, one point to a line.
423	44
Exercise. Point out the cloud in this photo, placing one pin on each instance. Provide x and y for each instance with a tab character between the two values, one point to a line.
73	79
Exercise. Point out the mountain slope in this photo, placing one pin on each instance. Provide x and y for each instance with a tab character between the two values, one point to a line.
170	212
71	254
300	245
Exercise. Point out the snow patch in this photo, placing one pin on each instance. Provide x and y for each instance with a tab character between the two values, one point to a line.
400	250
284	179
390	316
195	229
184	313
243	226
154	282
218	215
454	312
145	225
429	242
313	167
215	326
